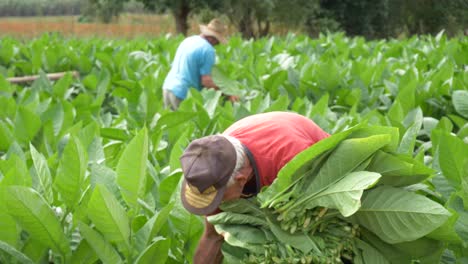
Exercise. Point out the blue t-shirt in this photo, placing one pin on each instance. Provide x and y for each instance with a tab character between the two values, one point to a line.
194	57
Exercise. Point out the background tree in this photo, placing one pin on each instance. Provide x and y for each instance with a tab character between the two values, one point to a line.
180	9
104	10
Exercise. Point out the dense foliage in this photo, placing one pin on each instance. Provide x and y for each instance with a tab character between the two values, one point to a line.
89	167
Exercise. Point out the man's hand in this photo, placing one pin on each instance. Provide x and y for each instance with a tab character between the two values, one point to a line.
233	98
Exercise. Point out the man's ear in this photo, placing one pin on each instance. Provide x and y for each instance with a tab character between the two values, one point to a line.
242	178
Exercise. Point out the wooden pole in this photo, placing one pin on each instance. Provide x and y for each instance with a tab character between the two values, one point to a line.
50	76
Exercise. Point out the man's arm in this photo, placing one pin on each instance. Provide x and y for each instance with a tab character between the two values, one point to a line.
209	247
208	82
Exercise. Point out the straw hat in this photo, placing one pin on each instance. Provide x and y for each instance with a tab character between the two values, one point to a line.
207	164
216	29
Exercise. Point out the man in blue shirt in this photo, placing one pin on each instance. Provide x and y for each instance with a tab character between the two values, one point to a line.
192	64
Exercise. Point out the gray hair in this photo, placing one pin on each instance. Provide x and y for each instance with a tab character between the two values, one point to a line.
240	157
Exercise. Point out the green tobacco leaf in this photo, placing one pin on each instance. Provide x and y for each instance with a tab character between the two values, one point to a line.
226	85
397	170
168	185
70	177
109	216
15	254
9	232
172	119
156	253
242	206
369	254
453	158
345	195
243	236
460	102
131	169
237	219
446	232
6	136
424	250
27	124
44	179
15	172
396	215
297	240
408	140
177	150
368	131
189	227
83	254
61	87
348	155
35	250
114	133
105	251
35	216
151	228
298	166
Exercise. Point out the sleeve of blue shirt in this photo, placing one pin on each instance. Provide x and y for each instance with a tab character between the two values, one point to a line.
207	61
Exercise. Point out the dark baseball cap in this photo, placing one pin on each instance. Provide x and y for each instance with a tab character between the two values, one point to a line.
207	164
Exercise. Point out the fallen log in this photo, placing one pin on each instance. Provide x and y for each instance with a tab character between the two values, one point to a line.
50	76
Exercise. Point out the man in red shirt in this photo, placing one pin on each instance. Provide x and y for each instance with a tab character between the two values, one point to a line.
238	163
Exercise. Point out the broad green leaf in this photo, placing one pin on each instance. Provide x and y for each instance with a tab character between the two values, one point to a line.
409	137
35	216
189	227
15	172
156	253
70	178
425	250
151	229
6	136
396	215
297	240
61	87
298	166
114	133
243	206
35	250
27	124
345	195
237	219
172	119
168	185
9	232
14	253
446	232
227	86
177	150
460	102
105	251
453	158
44	179
348	155
367	131
108	216
84	254
369	254
131	169
56	116
243	236
396	170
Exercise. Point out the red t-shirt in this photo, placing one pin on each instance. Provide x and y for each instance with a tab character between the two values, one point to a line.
274	138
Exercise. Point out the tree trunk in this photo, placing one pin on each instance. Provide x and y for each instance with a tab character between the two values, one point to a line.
181	13
246	25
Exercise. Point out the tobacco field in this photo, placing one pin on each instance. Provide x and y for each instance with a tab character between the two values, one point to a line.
90	173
